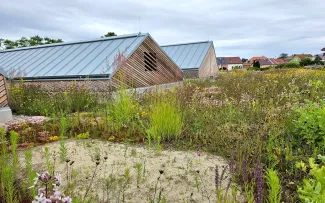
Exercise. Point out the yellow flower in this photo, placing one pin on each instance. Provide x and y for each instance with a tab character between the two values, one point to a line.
53	138
111	138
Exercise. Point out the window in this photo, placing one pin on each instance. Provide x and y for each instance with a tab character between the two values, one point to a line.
150	61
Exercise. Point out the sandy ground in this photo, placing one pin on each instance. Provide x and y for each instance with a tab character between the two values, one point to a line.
186	177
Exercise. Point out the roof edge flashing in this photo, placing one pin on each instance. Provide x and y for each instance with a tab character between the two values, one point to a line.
200	42
77	42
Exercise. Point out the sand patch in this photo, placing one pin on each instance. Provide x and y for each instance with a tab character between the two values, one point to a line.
185	176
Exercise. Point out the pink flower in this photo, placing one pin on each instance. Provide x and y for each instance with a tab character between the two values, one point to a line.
198	154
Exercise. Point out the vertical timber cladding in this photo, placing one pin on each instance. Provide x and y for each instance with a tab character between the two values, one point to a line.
3	92
148	66
209	66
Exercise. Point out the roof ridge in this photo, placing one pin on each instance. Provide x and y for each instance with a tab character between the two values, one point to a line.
77	42
187	43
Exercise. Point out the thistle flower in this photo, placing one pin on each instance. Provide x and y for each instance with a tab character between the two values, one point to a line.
216	180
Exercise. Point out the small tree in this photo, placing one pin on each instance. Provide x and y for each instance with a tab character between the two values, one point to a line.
109	34
283	55
257	65
244	60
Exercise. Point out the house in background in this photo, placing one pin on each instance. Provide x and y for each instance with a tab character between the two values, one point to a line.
267	62
196	59
297	58
250	62
222	63
229	63
279	61
136	60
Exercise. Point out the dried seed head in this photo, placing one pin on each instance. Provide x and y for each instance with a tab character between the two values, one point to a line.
105	157
161	171
97	163
197	171
72	162
67	160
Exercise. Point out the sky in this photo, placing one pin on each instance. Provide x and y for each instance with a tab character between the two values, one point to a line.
243	28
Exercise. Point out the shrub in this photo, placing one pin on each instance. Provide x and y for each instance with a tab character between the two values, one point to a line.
310	124
313	189
289	65
83	136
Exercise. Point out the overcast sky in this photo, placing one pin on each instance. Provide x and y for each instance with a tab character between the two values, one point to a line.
242	28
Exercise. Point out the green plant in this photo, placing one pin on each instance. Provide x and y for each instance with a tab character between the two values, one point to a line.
139	173
274	186
83	136
30	173
13	141
9	180
313	189
310	124
63	148
166	121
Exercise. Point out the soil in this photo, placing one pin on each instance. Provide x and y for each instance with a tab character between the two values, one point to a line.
184	176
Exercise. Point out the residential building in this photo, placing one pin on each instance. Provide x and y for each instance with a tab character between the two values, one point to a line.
297	58
229	63
196	59
136	60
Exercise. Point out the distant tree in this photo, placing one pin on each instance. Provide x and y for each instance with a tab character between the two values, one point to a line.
283	55
306	62
257	65
109	34
25	42
244	60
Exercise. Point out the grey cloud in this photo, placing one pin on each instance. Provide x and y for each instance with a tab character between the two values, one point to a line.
238	27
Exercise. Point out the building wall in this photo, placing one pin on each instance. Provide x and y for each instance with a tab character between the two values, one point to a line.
295	59
232	66
3	92
191	73
209	67
134	73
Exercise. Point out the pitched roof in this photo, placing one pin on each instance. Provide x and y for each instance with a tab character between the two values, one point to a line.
189	55
254	58
221	60
265	62
72	59
273	61
3	72
321	56
234	60
302	56
279	61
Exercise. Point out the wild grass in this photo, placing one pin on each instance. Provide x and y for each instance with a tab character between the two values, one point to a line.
166	120
256	120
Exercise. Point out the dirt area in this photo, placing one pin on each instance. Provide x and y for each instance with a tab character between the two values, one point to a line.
186	176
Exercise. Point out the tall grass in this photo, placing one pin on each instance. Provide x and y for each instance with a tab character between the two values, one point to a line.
120	111
166	121
30	173
63	148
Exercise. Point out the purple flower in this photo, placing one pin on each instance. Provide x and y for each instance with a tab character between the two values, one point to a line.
45	177
198	154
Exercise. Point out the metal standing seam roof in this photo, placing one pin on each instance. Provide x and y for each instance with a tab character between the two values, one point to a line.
71	59
189	55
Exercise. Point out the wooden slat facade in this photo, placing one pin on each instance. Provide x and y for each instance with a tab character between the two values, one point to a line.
209	67
134	72
3	92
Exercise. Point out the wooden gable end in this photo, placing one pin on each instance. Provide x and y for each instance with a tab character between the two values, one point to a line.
3	92
147	66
